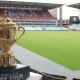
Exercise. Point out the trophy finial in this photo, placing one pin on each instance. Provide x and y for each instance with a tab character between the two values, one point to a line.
5	13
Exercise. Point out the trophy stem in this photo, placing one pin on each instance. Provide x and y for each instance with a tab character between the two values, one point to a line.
7	58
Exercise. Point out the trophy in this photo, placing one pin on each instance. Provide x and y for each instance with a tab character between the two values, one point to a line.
8	65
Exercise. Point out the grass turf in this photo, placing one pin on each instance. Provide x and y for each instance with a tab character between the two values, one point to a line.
62	47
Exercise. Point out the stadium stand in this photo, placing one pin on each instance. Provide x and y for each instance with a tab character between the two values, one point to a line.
31	15
74	27
78	27
35	19
75	19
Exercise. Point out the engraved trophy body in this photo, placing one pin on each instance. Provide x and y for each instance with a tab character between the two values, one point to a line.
7	40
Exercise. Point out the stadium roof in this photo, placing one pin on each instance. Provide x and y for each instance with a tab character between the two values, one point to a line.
33	4
76	5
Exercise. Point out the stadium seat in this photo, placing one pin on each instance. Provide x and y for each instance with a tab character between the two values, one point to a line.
52	77
76	79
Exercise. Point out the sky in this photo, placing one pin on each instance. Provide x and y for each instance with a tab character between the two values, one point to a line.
67	11
49	1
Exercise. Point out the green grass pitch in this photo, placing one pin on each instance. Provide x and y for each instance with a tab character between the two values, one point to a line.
62	47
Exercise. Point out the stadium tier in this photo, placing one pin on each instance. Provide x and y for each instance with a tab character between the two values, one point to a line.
34	16
44	27
29	15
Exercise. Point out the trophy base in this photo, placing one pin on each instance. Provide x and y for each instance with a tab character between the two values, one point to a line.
7	60
19	72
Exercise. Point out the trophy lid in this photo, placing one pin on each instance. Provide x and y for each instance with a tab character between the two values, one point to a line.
5	14
6	21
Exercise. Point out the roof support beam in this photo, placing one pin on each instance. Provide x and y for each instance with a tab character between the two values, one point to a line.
60	23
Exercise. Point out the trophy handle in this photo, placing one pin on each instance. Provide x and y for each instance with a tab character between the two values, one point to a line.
22	32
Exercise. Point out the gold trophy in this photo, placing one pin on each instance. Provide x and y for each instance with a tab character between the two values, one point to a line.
7	40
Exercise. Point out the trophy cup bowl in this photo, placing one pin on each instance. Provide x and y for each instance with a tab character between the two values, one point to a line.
9	69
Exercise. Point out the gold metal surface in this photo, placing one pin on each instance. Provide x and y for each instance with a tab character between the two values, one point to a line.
7	40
